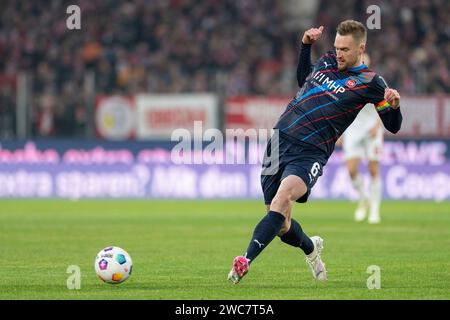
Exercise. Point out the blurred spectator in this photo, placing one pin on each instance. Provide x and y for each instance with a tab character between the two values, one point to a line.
227	46
7	114
411	50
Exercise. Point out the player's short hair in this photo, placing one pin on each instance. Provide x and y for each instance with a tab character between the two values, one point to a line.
354	28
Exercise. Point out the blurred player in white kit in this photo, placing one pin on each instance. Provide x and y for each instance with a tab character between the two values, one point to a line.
364	139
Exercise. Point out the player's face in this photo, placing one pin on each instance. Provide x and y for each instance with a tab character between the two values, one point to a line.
348	51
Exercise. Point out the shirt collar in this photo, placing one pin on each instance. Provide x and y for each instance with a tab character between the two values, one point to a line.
363	66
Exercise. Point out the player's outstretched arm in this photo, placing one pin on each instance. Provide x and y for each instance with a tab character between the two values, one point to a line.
389	110
387	103
304	62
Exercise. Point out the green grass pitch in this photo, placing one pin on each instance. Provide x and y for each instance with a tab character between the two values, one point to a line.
184	250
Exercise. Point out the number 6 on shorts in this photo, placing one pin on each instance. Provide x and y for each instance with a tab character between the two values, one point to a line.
315	169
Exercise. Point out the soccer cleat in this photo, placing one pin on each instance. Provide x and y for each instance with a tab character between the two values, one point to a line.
239	269
315	261
374	215
374	218
361	211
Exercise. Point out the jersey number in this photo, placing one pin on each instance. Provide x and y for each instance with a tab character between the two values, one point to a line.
315	169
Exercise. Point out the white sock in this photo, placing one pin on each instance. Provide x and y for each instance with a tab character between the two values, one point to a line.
375	195
358	184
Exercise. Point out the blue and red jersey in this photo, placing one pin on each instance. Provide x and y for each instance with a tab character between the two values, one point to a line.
329	100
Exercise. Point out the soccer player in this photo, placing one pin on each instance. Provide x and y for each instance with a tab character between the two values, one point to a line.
332	92
364	138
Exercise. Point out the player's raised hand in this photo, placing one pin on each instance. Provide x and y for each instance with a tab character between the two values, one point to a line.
312	35
392	97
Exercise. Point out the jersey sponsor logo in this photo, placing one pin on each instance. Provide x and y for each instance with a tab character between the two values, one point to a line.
350	83
329	83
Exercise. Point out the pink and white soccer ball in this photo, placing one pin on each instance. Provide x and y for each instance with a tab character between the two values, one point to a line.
113	265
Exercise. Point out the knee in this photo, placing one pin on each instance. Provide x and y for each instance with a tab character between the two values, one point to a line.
374	172
353	174
281	203
353	168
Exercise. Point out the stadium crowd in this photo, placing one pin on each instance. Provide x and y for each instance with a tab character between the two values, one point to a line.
171	46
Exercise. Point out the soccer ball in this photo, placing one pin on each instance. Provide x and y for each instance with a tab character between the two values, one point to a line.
113	265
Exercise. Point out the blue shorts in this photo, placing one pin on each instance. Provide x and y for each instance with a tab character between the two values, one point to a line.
295	158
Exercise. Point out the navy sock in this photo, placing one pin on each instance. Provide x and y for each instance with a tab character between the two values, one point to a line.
297	238
265	231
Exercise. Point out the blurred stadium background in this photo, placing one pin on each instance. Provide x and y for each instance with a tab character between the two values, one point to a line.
89	113
137	70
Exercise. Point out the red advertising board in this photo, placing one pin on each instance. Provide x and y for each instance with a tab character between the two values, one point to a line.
248	112
423	116
159	115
